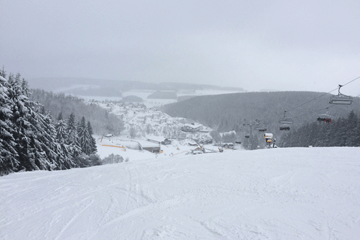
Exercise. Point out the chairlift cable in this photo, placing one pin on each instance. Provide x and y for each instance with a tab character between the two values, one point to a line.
350	81
323	94
312	100
318	98
308	113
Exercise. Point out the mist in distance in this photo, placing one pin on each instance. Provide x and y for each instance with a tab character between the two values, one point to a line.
277	45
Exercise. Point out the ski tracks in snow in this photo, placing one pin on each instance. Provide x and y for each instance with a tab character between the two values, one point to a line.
263	194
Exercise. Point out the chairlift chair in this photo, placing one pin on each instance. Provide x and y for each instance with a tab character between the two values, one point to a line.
286	120
285	123
284	127
341	99
260	127
325	117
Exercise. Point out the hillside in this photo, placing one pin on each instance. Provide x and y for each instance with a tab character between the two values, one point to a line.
230	111
295	193
101	120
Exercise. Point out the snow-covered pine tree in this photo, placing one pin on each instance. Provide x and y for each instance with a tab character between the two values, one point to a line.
61	130
19	117
8	154
42	144
25	87
92	139
72	137
33	134
84	137
37	147
56	151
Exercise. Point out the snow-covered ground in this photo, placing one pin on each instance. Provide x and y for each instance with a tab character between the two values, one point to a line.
294	193
107	146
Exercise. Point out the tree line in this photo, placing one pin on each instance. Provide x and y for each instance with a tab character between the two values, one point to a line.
31	140
341	132
101	120
228	112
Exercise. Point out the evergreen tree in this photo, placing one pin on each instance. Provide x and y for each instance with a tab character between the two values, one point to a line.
92	139
8	154
25	88
72	130
61	130
351	131
72	138
84	137
341	132
19	117
3	73
28	138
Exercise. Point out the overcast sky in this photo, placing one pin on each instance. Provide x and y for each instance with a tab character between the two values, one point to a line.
282	45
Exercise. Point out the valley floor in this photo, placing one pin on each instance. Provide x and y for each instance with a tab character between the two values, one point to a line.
294	193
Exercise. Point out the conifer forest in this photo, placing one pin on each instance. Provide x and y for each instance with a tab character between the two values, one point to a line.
341	132
30	139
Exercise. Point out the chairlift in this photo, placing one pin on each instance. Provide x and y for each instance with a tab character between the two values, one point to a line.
260	127
324	117
286	120
284	127
341	99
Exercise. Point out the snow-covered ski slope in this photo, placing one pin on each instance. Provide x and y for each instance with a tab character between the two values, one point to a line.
294	193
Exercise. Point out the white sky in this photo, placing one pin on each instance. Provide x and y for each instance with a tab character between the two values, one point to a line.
282	45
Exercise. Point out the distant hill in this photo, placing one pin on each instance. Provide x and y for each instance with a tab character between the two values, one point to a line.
111	88
230	111
132	98
163	95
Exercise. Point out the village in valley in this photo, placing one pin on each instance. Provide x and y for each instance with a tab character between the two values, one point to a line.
148	128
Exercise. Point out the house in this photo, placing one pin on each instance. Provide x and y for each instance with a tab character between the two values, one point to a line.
152	149
197	150
193	127
192	143
159	140
150	146
228	145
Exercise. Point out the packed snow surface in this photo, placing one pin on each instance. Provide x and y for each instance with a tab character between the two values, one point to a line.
294	193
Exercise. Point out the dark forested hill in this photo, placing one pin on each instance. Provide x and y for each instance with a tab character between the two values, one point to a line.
230	111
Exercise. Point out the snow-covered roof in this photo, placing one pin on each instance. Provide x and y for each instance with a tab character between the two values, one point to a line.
268	135
156	138
227	133
145	143
192	125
